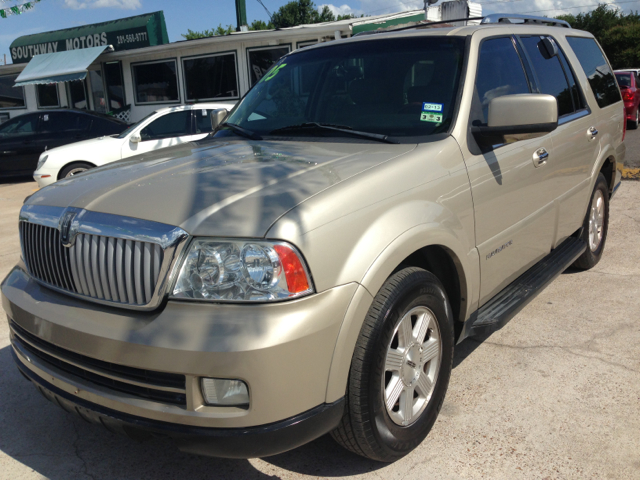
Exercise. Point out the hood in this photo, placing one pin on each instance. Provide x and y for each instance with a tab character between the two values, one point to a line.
221	188
99	143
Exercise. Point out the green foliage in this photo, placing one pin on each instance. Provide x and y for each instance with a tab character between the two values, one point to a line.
301	12
260	25
617	33
220	30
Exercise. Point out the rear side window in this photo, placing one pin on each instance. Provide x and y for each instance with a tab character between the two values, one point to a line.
500	72
203	120
63	122
550	77
596	69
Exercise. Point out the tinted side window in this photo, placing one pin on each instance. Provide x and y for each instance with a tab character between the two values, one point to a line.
549	74
596	69
500	73
203	120
62	122
22	125
624	79
171	125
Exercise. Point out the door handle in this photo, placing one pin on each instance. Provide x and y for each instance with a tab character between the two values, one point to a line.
592	132
540	157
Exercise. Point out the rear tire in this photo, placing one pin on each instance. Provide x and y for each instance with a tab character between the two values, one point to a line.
633	124
595	226
74	169
406	346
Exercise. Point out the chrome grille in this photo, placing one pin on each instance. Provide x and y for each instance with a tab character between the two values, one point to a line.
100	267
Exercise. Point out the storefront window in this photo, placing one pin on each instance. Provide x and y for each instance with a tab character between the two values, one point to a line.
212	77
97	91
10	96
77	94
156	82
115	85
260	61
48	95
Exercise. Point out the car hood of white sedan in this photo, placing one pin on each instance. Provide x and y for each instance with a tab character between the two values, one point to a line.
97	151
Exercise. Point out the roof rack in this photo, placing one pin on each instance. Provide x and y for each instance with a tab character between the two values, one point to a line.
507	17
486	20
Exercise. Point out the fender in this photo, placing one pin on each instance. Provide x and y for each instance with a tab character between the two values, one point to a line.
383	266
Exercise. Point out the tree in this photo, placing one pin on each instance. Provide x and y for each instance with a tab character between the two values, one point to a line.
616	32
301	12
260	25
220	30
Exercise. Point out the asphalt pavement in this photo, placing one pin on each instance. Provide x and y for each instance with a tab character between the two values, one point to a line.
555	394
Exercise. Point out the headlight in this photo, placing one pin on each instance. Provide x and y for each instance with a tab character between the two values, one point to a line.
41	161
242	271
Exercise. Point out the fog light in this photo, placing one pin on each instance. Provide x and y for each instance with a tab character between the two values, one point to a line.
225	393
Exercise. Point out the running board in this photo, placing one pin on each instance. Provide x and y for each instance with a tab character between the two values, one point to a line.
495	314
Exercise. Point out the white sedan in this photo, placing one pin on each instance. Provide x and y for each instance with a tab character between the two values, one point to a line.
163	128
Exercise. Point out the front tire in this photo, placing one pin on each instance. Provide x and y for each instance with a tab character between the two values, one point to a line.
400	368
595	226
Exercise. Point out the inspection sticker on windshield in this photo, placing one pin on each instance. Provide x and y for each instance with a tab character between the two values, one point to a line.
432	107
431	117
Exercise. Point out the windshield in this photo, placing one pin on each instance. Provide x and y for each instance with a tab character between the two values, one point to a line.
402	87
624	79
131	128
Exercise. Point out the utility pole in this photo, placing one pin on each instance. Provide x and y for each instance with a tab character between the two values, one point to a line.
241	16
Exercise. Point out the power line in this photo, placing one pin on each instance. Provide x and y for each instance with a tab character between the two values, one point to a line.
268	12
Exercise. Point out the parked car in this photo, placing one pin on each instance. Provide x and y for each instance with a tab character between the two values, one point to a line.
25	137
310	266
160	129
630	89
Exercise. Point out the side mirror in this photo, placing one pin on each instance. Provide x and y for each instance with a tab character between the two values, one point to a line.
217	117
135	139
518	117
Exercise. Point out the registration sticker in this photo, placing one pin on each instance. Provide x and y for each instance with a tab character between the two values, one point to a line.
431	117
204	112
46	118
432	107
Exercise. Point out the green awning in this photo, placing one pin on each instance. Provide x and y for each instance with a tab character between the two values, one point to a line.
58	67
398	20
123	34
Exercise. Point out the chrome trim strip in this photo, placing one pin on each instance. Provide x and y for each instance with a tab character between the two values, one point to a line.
99	371
573	116
105	224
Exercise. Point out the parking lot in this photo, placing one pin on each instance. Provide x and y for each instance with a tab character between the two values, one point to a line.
555	394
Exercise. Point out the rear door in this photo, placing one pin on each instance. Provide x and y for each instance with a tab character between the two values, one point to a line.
62	128
18	149
170	129
575	146
514	211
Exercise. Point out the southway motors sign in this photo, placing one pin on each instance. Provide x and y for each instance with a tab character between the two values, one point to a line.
124	34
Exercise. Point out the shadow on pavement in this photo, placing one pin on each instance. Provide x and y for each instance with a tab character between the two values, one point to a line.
60	446
12	180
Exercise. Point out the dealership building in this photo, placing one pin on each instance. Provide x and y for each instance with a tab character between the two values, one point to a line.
128	67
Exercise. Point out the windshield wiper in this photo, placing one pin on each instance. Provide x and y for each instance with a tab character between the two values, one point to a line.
241	131
336	128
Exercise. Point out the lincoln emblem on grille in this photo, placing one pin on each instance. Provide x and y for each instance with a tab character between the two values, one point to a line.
67	233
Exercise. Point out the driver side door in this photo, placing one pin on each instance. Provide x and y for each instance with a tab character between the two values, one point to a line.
170	129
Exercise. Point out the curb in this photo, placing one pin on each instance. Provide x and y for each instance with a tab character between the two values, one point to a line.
631	173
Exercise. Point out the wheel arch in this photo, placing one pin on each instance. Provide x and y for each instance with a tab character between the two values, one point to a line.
443	255
68	164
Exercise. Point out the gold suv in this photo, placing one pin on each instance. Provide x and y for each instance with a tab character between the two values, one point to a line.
310	266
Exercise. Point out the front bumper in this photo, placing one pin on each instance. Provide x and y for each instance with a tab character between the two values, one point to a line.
44	177
282	351
250	442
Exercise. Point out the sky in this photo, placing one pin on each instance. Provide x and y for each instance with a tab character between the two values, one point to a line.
196	15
